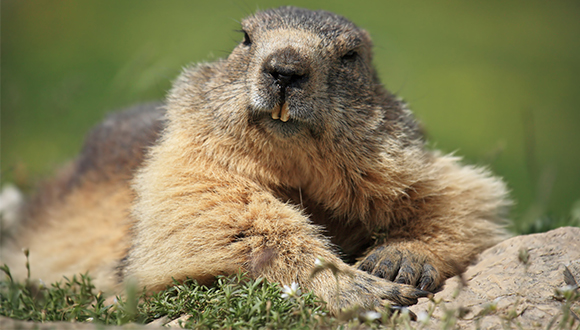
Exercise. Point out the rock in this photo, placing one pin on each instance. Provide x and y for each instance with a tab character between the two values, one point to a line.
512	285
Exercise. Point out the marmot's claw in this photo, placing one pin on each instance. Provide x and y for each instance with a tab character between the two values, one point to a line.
424	294
403	267
400	309
407	295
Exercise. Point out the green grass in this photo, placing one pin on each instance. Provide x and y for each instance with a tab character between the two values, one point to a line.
235	302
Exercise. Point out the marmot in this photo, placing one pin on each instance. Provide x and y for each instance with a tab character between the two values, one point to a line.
288	151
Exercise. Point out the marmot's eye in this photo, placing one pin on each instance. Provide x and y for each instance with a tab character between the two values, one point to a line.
350	56
247	41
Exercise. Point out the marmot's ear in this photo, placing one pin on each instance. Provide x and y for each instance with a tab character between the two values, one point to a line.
247	25
366	37
366	40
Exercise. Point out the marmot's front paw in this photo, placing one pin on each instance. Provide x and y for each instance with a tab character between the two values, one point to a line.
402	264
367	291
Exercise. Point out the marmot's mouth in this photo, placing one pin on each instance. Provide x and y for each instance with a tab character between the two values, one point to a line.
281	112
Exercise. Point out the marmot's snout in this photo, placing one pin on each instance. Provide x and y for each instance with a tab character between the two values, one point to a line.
285	72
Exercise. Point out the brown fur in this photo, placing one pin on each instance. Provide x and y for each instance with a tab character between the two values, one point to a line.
228	188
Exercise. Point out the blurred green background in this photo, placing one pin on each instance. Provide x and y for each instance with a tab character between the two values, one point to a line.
497	82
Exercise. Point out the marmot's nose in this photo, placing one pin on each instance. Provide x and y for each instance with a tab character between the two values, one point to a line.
286	79
287	68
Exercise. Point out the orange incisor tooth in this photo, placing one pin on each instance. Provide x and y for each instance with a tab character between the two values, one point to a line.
276	112
284	114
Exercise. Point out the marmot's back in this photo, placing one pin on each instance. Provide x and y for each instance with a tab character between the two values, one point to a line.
78	221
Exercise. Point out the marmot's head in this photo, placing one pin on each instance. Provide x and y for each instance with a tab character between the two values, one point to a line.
296	76
304	72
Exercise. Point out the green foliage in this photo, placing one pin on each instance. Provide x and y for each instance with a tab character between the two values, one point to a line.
73	300
537	221
233	302
236	303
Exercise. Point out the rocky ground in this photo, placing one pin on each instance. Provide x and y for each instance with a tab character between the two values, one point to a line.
514	283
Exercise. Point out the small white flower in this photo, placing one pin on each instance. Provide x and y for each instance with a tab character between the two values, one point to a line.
90	319
318	262
423	317
567	289
41	284
291	291
369	316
